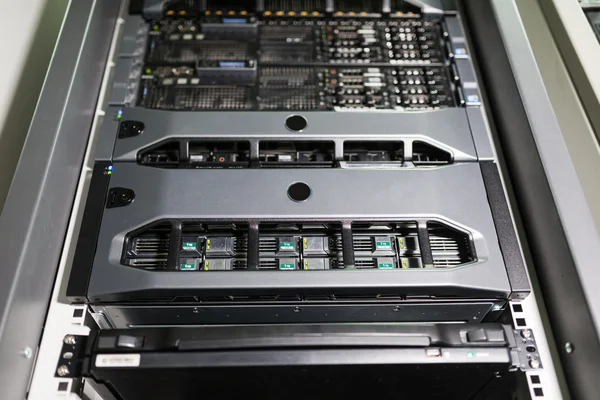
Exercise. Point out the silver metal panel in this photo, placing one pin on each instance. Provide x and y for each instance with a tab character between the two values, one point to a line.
582	235
481	134
454	193
120	80
130	36
37	208
448	128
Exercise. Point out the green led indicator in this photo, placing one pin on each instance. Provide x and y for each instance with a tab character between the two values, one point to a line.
148	71
287	266
108	172
156	27
286	246
470	354
187	267
386	265
119	116
189	246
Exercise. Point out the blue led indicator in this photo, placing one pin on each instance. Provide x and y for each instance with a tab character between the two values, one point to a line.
235	64
234	20
110	168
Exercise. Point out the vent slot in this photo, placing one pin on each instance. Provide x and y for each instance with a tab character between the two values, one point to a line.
149	249
365	263
307	154
373	152
240	245
268	245
240	264
178	52
267	264
363	244
204	98
427	155
449	247
150	263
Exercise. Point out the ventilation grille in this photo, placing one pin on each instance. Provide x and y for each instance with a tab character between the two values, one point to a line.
183	52
287	77
268	245
449	247
363	244
286	99
425	154
241	245
198	98
364	263
267	264
150	249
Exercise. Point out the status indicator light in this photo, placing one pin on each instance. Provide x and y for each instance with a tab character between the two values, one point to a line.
119	114
110	167
470	354
148	71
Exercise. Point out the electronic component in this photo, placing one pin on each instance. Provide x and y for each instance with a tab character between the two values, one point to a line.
243	62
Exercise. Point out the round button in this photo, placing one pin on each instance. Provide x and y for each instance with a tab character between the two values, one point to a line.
299	191
296	123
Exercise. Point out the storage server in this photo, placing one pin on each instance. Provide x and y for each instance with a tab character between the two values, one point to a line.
295	165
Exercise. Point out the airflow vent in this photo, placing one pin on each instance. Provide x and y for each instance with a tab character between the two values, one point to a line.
363	244
364	263
149	250
268	245
425	155
267	264
449	247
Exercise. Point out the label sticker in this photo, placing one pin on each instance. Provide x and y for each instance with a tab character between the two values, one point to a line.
386	265
187	267
287	266
286	246
383	245
460	51
189	246
117	360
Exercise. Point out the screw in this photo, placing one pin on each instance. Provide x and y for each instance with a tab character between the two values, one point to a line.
26	352
195	310
297	309
569	347
63	370
526	333
534	364
70	339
